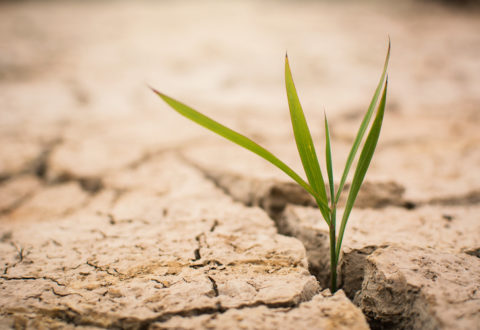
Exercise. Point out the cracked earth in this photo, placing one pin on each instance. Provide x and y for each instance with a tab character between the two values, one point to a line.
116	213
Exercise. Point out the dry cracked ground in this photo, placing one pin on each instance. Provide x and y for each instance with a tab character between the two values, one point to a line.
115	212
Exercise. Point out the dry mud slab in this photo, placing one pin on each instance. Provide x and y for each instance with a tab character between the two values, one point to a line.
117	213
152	249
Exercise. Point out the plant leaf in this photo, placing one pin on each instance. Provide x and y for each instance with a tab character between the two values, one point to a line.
362	166
236	138
304	142
328	157
333	214
363	126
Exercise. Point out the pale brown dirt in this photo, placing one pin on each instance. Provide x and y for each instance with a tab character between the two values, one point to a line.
115	212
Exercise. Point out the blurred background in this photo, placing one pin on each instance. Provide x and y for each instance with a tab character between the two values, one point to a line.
75	74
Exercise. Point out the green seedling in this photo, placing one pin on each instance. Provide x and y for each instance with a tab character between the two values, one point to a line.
316	184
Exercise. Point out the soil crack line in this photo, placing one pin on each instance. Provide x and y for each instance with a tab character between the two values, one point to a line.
214	286
196	252
20	256
106	270
31	278
219	309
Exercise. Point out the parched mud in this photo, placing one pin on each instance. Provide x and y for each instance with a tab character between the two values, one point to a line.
430	284
153	254
116	213
303	223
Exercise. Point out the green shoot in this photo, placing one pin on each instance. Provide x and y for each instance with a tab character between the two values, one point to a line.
328	157
305	146
362	166
306	150
333	207
363	126
238	139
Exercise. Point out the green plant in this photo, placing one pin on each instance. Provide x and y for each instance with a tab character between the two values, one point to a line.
306	149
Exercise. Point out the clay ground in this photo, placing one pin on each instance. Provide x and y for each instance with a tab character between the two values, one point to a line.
116	212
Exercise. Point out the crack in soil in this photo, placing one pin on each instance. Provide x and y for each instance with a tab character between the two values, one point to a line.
31	278
20	256
474	252
64	294
39	167
469	198
73	317
91	185
106	270
214	285
200	238
214	225
219	309
207	263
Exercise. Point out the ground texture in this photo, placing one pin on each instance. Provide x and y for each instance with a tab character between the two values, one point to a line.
115	212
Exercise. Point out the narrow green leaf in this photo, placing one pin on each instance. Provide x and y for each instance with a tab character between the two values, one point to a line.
362	166
363	126
236	138
328	157
304	142
333	214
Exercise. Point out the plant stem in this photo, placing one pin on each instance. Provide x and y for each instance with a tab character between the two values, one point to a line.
333	255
